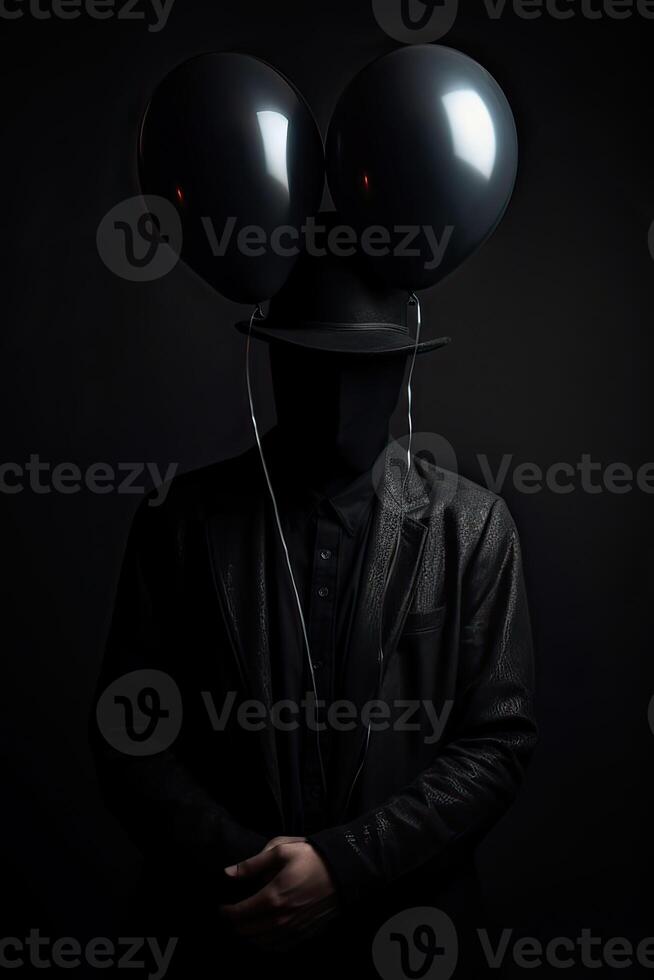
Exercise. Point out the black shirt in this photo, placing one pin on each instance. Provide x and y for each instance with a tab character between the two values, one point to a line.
327	538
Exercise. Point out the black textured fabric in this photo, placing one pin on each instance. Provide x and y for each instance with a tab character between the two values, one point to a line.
194	601
326	535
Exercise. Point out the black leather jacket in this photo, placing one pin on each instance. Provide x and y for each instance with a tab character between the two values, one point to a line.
192	602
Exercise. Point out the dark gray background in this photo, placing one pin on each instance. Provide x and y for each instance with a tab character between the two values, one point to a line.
551	359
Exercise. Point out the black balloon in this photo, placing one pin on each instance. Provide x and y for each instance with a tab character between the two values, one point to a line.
422	138
232	144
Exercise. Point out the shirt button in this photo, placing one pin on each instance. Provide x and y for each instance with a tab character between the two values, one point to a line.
325	554
323	592
317	664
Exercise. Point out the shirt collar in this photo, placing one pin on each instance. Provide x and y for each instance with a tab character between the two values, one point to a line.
351	504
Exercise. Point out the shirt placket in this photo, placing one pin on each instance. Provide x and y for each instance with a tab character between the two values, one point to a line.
322	633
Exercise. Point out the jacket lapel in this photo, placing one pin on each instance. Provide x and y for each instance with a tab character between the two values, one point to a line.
238	547
388	582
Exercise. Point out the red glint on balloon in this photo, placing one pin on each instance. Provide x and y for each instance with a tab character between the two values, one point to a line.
180	195
366	182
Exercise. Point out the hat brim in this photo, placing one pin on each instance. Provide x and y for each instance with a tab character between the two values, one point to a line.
373	339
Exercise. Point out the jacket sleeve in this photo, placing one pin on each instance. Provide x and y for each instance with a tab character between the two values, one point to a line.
476	774
158	800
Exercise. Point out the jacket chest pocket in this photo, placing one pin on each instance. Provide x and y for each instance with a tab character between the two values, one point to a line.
419	668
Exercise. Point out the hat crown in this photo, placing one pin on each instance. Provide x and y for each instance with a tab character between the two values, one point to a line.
332	288
331	304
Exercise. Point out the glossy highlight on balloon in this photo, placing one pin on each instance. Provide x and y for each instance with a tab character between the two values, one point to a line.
234	147
422	144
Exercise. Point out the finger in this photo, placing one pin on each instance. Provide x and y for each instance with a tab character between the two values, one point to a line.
256	865
277	841
264	904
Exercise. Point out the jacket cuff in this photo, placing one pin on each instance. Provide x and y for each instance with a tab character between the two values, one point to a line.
353	880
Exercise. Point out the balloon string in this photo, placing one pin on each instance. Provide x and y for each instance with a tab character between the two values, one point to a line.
413	301
257	314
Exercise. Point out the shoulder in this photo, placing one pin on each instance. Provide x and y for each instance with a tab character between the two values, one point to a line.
197	494
456	503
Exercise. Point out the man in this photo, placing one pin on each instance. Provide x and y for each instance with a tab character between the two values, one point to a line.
297	831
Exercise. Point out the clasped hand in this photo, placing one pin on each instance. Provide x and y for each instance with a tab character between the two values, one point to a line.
296	899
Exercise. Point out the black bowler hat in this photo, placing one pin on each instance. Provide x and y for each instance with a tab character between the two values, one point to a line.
328	304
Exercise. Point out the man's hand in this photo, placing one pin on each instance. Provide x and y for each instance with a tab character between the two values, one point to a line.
276	841
297	899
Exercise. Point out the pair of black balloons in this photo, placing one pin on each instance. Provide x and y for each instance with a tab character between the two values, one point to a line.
422	144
